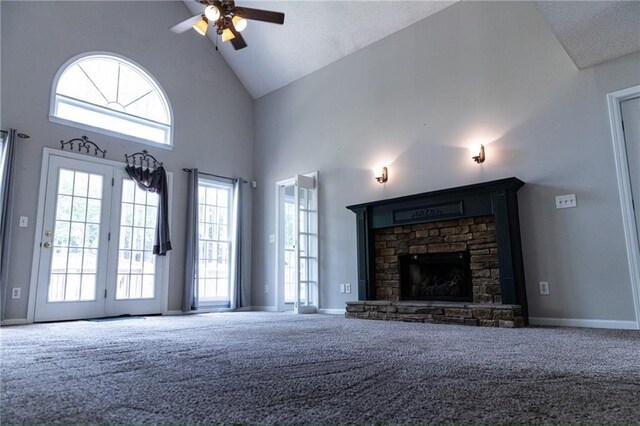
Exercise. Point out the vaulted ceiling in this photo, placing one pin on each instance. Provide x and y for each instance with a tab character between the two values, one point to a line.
317	33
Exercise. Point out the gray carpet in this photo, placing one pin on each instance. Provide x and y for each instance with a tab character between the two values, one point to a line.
283	368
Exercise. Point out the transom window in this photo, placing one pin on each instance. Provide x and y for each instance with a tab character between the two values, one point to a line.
111	95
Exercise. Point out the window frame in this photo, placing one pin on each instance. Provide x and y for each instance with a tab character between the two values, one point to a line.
219	184
53	104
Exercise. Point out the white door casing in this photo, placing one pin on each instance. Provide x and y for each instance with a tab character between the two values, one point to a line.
625	188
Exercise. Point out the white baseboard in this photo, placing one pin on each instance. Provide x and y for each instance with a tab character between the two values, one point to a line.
588	323
264	308
333	311
173	313
19	321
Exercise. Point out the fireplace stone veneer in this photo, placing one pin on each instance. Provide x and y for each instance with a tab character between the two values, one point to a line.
479	220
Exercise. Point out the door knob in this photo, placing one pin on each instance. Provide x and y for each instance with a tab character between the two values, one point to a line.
47	245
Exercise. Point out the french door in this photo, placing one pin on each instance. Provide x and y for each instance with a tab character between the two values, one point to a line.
297	264
96	239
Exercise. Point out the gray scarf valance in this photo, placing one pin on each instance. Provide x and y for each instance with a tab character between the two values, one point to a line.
155	181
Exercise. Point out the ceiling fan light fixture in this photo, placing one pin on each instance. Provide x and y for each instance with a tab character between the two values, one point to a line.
201	26
227	35
239	23
212	13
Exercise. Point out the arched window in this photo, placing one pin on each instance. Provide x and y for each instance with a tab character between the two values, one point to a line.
112	95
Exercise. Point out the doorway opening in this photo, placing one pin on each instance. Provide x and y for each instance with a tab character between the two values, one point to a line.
93	255
297	278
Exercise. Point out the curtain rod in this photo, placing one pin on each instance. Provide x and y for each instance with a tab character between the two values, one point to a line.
214	175
20	135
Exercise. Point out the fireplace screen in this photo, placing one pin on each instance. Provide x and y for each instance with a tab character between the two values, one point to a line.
437	276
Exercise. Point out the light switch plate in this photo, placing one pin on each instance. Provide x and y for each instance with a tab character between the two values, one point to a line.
544	288
272	238
566	201
24	222
341	288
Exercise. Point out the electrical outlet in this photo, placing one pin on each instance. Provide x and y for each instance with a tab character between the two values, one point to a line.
347	288
341	288
266	288
16	292
544	288
566	201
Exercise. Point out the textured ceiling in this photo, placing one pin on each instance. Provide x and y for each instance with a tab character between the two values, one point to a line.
319	32
594	32
314	34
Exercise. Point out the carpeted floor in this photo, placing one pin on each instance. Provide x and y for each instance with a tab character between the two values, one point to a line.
283	368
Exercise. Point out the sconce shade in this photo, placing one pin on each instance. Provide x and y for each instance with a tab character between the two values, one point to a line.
480	157
382	175
201	26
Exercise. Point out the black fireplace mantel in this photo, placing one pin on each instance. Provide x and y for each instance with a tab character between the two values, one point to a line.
497	198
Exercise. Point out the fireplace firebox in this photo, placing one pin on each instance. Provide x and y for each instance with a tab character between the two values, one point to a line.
437	276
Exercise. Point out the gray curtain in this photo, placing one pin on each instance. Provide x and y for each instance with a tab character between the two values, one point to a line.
190	293
7	154
237	298
155	181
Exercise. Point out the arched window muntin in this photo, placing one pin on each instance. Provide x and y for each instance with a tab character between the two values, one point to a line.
112	118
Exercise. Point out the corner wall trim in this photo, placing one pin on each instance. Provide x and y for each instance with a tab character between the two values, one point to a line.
586	323
332	311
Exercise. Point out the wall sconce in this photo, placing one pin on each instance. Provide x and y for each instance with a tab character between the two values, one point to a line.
382	175
480	157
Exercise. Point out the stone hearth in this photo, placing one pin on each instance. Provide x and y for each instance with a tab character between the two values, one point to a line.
477	224
478	314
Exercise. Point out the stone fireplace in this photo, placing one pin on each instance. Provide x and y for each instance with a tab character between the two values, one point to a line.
451	256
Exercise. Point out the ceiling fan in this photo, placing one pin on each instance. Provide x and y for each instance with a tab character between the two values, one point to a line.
228	19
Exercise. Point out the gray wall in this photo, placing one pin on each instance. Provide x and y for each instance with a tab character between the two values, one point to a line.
213	114
413	101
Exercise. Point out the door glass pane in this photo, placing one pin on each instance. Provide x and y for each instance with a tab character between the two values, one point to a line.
307	247
289	244
136	262
75	242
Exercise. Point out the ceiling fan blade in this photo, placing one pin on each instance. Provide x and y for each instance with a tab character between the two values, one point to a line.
186	24
237	41
260	15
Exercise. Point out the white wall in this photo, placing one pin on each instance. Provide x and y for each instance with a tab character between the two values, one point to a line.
483	71
213	113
